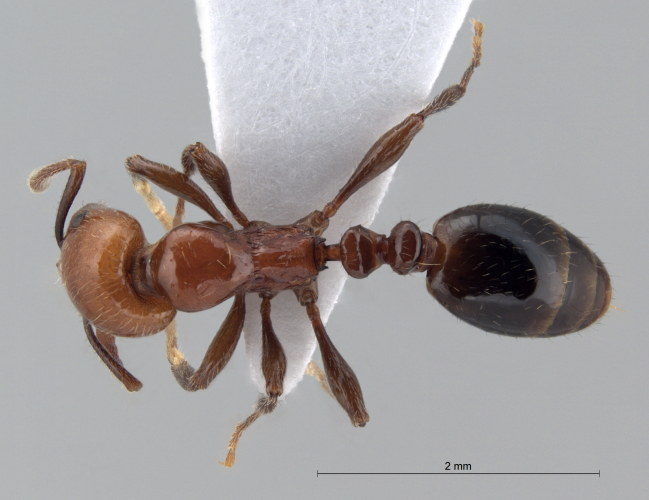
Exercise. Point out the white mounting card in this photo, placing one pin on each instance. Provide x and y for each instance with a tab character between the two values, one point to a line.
299	91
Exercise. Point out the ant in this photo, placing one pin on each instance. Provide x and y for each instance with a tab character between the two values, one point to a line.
503	269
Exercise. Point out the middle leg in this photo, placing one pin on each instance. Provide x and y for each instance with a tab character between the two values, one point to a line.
273	367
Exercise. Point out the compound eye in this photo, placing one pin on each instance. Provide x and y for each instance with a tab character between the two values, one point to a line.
83	213
77	219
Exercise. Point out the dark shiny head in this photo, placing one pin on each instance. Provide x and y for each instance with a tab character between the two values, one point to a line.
511	271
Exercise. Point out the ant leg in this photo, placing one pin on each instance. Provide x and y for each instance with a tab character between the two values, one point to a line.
273	366
387	150
314	370
154	203
214	171
273	360
179	213
108	354
222	347
454	93
341	378
263	406
180	367
156	206
218	353
40	180
174	356
175	182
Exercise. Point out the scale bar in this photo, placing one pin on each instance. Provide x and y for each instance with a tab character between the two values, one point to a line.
598	473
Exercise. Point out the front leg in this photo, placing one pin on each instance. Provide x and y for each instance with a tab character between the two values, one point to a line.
177	183
214	171
218	353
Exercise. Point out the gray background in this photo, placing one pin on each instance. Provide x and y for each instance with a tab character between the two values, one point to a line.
554	120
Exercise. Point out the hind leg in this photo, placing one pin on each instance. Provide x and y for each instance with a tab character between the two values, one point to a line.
387	150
